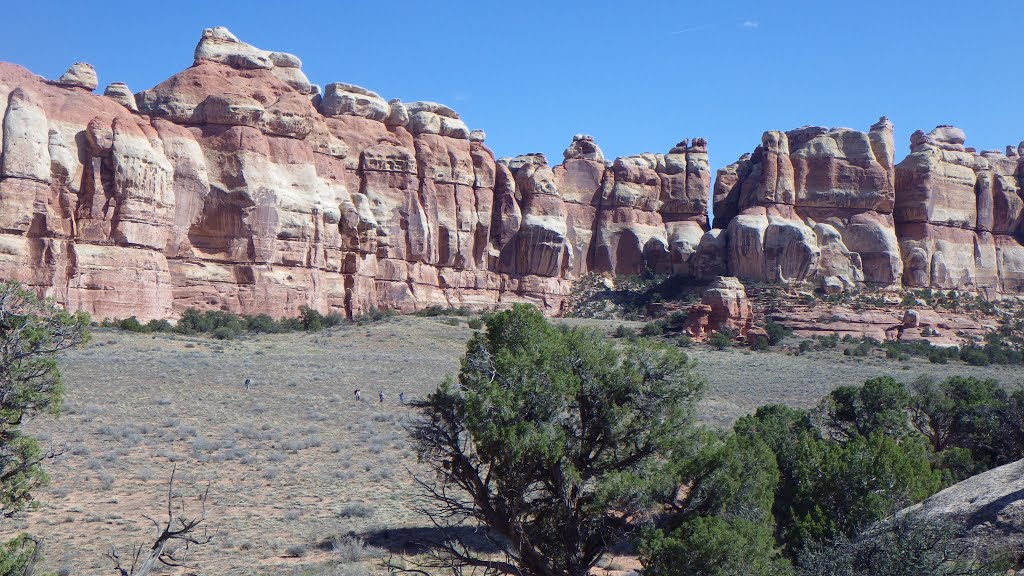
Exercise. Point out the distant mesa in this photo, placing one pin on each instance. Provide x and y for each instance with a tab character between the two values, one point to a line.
237	184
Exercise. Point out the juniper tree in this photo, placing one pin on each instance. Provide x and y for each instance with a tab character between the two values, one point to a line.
550	443
32	332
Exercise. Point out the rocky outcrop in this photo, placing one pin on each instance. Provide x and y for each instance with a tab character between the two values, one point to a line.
958	214
723	307
813	204
986	509
235	184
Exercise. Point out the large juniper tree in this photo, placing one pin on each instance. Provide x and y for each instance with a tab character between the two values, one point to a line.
32	332
550	444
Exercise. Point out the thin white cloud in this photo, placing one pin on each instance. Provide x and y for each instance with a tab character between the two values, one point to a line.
750	24
692	29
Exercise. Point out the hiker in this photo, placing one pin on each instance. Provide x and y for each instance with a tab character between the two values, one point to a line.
359	395
381	396
248	383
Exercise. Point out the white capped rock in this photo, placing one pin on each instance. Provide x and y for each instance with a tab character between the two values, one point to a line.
434	108
341	99
25	139
220	45
79	75
119	92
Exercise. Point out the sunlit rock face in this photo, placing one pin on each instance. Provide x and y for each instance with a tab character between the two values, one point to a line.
813	204
237	184
958	214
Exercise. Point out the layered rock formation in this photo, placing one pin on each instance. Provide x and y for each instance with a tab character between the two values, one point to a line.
958	215
813	204
723	307
833	207
236	184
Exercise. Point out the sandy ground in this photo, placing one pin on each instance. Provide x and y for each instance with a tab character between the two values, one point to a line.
296	462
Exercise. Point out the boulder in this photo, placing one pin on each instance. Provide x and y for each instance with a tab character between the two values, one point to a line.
987	509
80	75
119	92
723	306
583	147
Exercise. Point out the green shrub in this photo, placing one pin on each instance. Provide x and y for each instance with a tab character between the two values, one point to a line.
974	355
721	340
131	324
312	320
261	324
158	326
623	331
652	329
759	343
475	323
776	332
224	333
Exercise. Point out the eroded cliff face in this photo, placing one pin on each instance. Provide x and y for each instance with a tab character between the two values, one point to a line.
813	204
958	215
237	185
832	206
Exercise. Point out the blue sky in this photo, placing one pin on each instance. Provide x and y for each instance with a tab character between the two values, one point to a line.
639	76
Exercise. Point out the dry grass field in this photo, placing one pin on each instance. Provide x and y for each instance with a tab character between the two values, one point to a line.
302	478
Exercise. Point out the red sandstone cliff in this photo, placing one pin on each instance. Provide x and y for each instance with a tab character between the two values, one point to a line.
235	184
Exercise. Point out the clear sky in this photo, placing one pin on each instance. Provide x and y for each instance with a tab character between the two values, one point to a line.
639	76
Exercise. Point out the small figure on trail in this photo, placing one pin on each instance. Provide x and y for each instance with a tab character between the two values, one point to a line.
381	396
359	395
401	397
248	383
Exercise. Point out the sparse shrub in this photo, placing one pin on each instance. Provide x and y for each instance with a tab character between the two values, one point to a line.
684	341
476	323
295	551
652	329
352	549
776	332
355	510
451	321
623	331
721	340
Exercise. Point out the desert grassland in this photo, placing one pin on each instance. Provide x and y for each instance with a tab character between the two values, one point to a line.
295	466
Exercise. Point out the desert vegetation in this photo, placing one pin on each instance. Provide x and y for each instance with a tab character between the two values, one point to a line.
559	445
304	479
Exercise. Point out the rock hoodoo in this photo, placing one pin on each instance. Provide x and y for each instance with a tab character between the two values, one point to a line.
723	307
237	184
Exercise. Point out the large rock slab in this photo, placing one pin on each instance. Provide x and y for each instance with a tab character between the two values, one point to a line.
986	509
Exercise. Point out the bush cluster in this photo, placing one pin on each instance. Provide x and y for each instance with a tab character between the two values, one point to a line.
224	325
